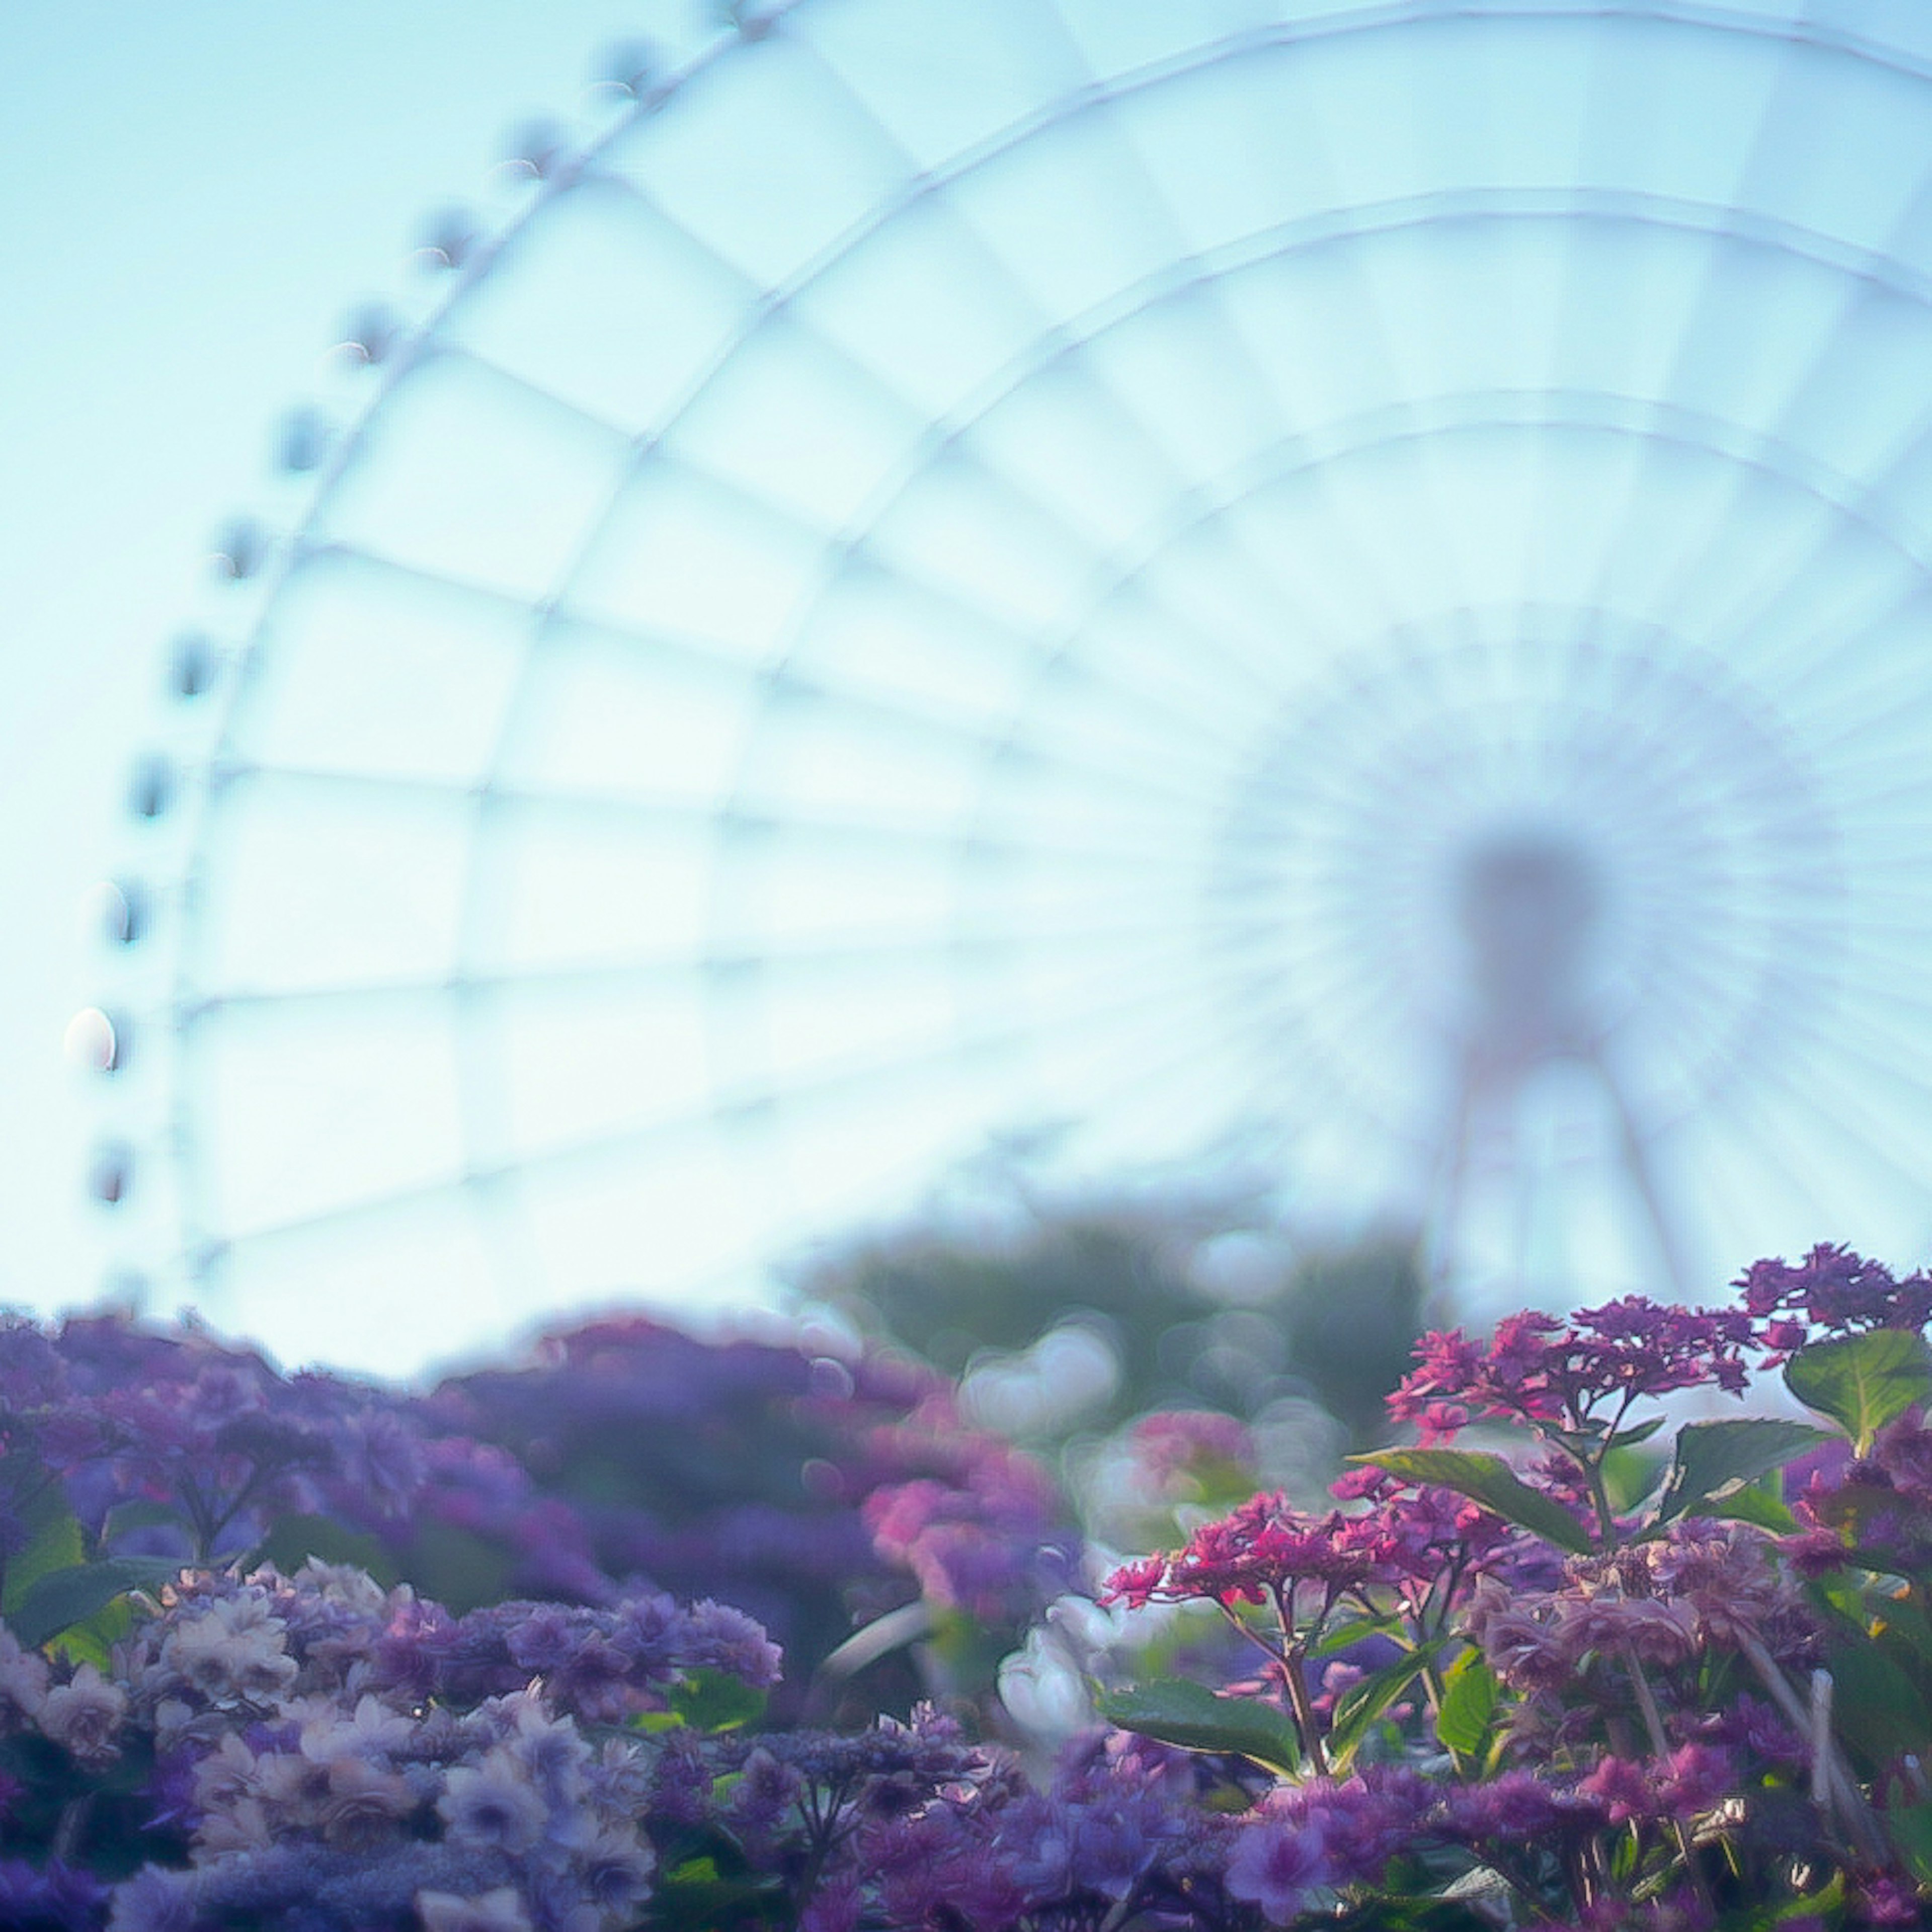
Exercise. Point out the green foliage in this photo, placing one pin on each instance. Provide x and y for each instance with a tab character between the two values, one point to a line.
57	1600
54	1539
1338	1325
456	1566
1362	1703
1862	1382
1178	1711
1713	1460
714	1888
1466	1720
712	1702
296	1539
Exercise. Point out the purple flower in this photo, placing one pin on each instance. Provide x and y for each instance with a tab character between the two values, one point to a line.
56	1896
1833	1289
1624	1788
1540	1370
1277	1865
155	1900
493	1804
1514	1808
501	1910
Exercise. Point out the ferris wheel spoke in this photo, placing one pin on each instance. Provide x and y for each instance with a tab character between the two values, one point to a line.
1082	330
1856	1119
1047	342
1099	935
1099	846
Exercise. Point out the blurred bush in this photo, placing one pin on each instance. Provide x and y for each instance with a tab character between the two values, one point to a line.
1068	1321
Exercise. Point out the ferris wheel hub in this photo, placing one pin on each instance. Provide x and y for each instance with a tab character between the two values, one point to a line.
1530	902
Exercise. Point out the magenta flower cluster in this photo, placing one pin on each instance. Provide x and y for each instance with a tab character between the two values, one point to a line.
1536	1370
1834	1291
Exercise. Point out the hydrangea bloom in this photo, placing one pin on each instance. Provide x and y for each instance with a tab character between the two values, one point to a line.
340	1757
1833	1290
1573	1374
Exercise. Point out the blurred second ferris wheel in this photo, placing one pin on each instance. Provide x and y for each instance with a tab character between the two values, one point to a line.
1339	589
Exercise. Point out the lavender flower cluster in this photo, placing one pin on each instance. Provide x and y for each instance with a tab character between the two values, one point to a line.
818	1490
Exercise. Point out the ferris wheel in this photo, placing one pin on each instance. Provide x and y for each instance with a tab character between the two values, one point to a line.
1348	583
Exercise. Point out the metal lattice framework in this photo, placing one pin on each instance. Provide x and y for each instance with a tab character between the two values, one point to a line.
1349	581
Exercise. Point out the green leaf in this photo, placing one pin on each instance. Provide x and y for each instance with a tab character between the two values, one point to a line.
1862	1382
55	1541
1467	1717
700	1891
64	1597
1910	1828
1752	1504
1628	1438
457	1568
714	1700
1712	1457
1490	1481
1179	1712
295	1539
694	1871
1629	1475
141	1513
1906	1628
1876	1707
1352	1630
93	1639
1361	1704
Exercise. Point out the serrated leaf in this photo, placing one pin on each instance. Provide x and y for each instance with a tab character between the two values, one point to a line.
64	1597
1362	1703
1179	1712
1629	1475
1469	1707
1712	1457
1490	1481
1862	1382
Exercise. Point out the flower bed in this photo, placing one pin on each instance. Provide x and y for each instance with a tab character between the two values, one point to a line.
300	1653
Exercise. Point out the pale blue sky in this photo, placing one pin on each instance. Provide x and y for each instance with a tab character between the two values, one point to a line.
192	197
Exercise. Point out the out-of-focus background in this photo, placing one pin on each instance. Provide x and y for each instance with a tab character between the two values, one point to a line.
196	200
1279	646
